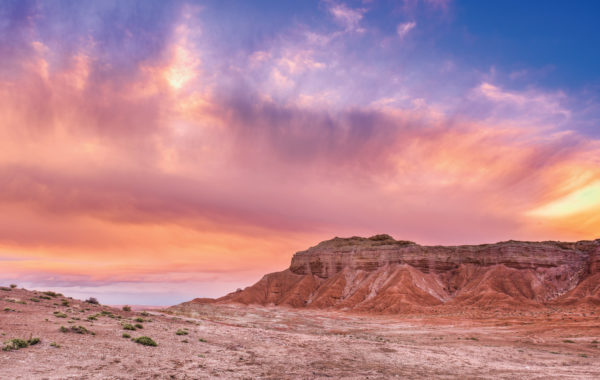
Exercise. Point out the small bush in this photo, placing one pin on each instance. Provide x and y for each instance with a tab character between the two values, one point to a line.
55	345
126	308
128	326
33	341
5	289
93	301
12	286
139	326
144	314
58	314
138	319
146	341
45	297
202	340
92	318
52	294
76	329
125	335
34	300
181	332
568	341
14	344
65	303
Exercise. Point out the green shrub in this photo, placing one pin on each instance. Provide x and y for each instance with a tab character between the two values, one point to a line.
52	294
146	341
127	326
55	345
14	344
34	300
5	289
63	329
202	340
65	303
181	332
139	326
33	341
58	314
92	318
45	297
12	286
568	341
138	319
93	301
144	314
126	308
125	335
76	329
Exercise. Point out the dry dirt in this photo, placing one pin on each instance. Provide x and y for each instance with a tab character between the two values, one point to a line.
251	342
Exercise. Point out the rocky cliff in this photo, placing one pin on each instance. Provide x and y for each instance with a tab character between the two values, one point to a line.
386	275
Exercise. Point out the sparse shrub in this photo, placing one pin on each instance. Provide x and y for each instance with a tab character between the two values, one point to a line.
139	326
63	329
146	341
8	309
92	318
125	335
81	330
128	326
58	314
202	340
138	319
34	299
583	355
45	297
568	341
93	301
144	314
5	289
126	308
33	341
595	341
65	303
181	332
52	294
184	341
14	344
55	345
12	286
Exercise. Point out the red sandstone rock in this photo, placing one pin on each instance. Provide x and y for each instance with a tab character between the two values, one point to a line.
380	274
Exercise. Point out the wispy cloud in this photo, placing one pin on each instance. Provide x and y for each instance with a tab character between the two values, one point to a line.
404	28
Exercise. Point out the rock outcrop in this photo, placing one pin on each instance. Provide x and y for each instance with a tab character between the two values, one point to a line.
380	274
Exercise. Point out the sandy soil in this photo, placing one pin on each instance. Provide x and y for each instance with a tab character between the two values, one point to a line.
248	342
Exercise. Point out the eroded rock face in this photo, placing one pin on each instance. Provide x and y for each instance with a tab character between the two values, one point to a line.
386	275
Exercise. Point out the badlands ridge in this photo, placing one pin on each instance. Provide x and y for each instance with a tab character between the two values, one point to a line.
381	274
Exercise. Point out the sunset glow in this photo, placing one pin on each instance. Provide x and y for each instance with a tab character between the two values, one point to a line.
154	152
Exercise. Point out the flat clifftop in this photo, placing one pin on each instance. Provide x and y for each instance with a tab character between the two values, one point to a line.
369	254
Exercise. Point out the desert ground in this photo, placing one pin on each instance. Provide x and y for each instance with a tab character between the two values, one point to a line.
205	341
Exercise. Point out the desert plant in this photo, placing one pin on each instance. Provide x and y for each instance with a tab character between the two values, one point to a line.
139	326
125	335
55	345
127	326
58	314
568	341
33	341
14	344
181	332
34	300
12	286
65	303
5	289
126	308
144	314
63	329
138	319
93	301
146	341
52	294
92	318
202	340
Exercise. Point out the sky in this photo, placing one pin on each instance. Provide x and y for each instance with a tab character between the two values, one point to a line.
152	152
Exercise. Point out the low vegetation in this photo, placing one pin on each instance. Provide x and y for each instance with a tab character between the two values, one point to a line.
76	329
92	300
146	341
126	308
181	332
17	344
